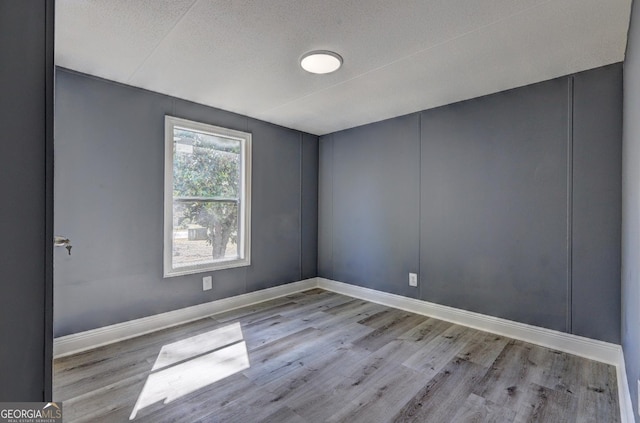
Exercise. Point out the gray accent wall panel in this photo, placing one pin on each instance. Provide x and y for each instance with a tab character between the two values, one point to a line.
631	210
493	218
275	206
376	205
518	212
597	203
26	105
109	202
309	211
325	207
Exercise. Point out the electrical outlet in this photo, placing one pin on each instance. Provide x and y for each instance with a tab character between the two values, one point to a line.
413	279
206	283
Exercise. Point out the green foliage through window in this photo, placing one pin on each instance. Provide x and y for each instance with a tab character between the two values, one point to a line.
207	197
206	171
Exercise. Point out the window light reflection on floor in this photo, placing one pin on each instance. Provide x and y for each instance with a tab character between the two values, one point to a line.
190	364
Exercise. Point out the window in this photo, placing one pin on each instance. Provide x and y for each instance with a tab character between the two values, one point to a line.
207	197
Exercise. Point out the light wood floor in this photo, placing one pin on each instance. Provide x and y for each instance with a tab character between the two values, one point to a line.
320	356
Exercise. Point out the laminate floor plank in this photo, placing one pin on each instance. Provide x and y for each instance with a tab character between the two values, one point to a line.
388	329
248	313
318	405
321	304
350	312
288	361
318	356
478	410
310	296
396	351
506	382
284	415
105	376
542	404
440	399
598	397
555	370
437	353
355	309
200	403
269	330
347	306
386	318
316	372
104	400
483	348
426	331
256	315
383	396
251	406
277	349
106	366
110	371
70	368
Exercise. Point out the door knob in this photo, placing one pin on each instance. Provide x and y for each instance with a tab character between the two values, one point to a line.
61	241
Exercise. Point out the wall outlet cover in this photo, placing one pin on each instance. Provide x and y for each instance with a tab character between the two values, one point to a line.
206	283
413	279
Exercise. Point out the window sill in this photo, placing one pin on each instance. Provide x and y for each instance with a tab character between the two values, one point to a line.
209	268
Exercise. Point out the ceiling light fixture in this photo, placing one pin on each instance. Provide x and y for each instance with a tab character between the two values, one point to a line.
321	61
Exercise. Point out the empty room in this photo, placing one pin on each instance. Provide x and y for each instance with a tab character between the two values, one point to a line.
320	211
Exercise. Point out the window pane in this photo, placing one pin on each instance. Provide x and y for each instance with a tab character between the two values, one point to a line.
204	232
205	165
207	197
206	175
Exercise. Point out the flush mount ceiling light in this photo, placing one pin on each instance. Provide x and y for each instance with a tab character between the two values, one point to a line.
321	61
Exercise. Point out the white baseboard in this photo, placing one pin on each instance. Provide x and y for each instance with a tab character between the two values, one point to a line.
627	414
604	352
584	347
83	341
577	345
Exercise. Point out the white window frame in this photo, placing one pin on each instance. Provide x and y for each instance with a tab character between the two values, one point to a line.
244	212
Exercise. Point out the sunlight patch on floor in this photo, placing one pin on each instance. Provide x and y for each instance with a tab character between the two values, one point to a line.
190	364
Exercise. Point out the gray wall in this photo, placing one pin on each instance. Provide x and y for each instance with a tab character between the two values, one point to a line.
26	105
369	205
309	171
631	209
109	174
597	203
507	205
494	205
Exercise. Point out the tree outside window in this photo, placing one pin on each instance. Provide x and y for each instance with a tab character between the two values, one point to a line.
208	183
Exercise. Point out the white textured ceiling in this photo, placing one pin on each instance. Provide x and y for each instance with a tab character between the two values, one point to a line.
399	56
